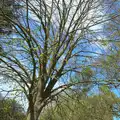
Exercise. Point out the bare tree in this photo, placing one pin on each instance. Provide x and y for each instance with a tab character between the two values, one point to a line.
51	37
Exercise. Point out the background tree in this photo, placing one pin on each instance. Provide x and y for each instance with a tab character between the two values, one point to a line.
109	63
11	110
103	106
10	8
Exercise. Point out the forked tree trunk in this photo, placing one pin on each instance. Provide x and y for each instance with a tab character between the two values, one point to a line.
35	111
35	115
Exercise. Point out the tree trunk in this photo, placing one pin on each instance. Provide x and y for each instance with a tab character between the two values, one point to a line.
33	116
36	102
35	111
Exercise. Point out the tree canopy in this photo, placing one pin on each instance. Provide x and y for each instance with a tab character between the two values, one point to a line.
52	41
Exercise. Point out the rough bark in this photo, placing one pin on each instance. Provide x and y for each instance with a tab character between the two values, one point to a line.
35	111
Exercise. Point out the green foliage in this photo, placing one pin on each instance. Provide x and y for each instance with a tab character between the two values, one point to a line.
96	107
104	42
105	89
85	75
11	110
87	72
